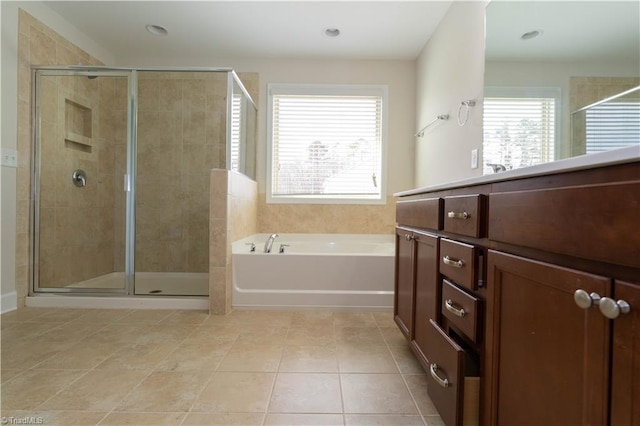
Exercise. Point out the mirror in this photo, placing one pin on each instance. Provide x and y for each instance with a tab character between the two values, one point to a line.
610	123
545	60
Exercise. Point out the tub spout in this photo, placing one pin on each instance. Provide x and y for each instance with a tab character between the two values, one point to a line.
269	243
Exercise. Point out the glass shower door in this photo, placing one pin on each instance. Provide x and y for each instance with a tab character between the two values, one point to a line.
180	138
81	137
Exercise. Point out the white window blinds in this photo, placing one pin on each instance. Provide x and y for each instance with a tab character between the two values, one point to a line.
326	146
612	125
518	132
236	118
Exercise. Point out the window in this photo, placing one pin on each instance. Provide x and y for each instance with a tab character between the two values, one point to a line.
519	128
236	118
326	144
611	125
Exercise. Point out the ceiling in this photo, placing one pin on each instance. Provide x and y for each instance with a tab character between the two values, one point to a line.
265	29
571	30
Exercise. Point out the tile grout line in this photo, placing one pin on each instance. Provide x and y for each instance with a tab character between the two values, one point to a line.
213	374
113	409
33	368
415	403
277	374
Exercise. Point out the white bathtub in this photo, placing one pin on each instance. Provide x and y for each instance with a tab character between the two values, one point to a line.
344	271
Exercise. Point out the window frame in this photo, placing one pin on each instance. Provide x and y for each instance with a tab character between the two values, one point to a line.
327	90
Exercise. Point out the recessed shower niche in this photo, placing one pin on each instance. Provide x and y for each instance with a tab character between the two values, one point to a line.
78	126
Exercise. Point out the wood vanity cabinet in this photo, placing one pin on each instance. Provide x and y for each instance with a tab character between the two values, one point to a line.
416	295
537	297
625	373
547	359
403	311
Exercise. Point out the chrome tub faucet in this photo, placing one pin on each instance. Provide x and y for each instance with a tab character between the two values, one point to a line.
269	243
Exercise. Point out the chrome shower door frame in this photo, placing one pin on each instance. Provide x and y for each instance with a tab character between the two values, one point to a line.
129	178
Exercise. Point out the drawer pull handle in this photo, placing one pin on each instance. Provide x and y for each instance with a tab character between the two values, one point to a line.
459	312
433	369
454	215
612	309
455	263
409	237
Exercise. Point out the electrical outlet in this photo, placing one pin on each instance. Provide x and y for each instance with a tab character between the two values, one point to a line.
8	157
474	158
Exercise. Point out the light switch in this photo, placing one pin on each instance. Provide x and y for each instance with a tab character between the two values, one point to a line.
9	157
474	158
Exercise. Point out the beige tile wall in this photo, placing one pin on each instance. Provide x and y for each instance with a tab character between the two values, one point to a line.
78	122
181	137
234	215
37	45
326	218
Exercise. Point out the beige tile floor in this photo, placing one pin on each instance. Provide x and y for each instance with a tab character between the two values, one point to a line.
169	367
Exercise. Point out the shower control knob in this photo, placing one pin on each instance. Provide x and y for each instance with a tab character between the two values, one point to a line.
612	309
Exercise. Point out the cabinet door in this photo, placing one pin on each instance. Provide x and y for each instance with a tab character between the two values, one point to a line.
625	374
427	290
546	359
404	282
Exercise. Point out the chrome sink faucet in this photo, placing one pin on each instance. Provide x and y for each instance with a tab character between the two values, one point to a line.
269	243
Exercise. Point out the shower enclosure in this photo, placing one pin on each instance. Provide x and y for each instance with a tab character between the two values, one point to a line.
121	172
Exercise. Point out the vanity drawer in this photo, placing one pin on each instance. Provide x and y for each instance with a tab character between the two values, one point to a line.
454	393
426	213
582	221
464	215
459	262
462	309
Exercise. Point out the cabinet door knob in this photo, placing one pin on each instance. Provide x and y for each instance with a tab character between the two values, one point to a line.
454	215
586	300
433	369
612	309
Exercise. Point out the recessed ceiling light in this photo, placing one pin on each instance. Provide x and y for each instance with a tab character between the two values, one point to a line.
157	30
331	32
531	34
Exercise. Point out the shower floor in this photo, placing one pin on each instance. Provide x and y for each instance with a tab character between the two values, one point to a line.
155	283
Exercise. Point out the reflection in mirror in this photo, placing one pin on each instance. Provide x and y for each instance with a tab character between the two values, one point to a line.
541	65
607	124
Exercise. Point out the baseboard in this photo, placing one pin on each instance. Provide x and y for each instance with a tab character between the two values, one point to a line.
117	302
8	302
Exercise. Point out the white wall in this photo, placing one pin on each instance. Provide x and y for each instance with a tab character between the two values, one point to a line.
450	69
9	134
9	122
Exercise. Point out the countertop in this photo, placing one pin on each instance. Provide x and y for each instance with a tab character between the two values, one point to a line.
618	156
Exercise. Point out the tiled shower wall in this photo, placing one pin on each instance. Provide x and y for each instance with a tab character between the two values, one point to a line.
181	137
78	131
37	45
180	117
